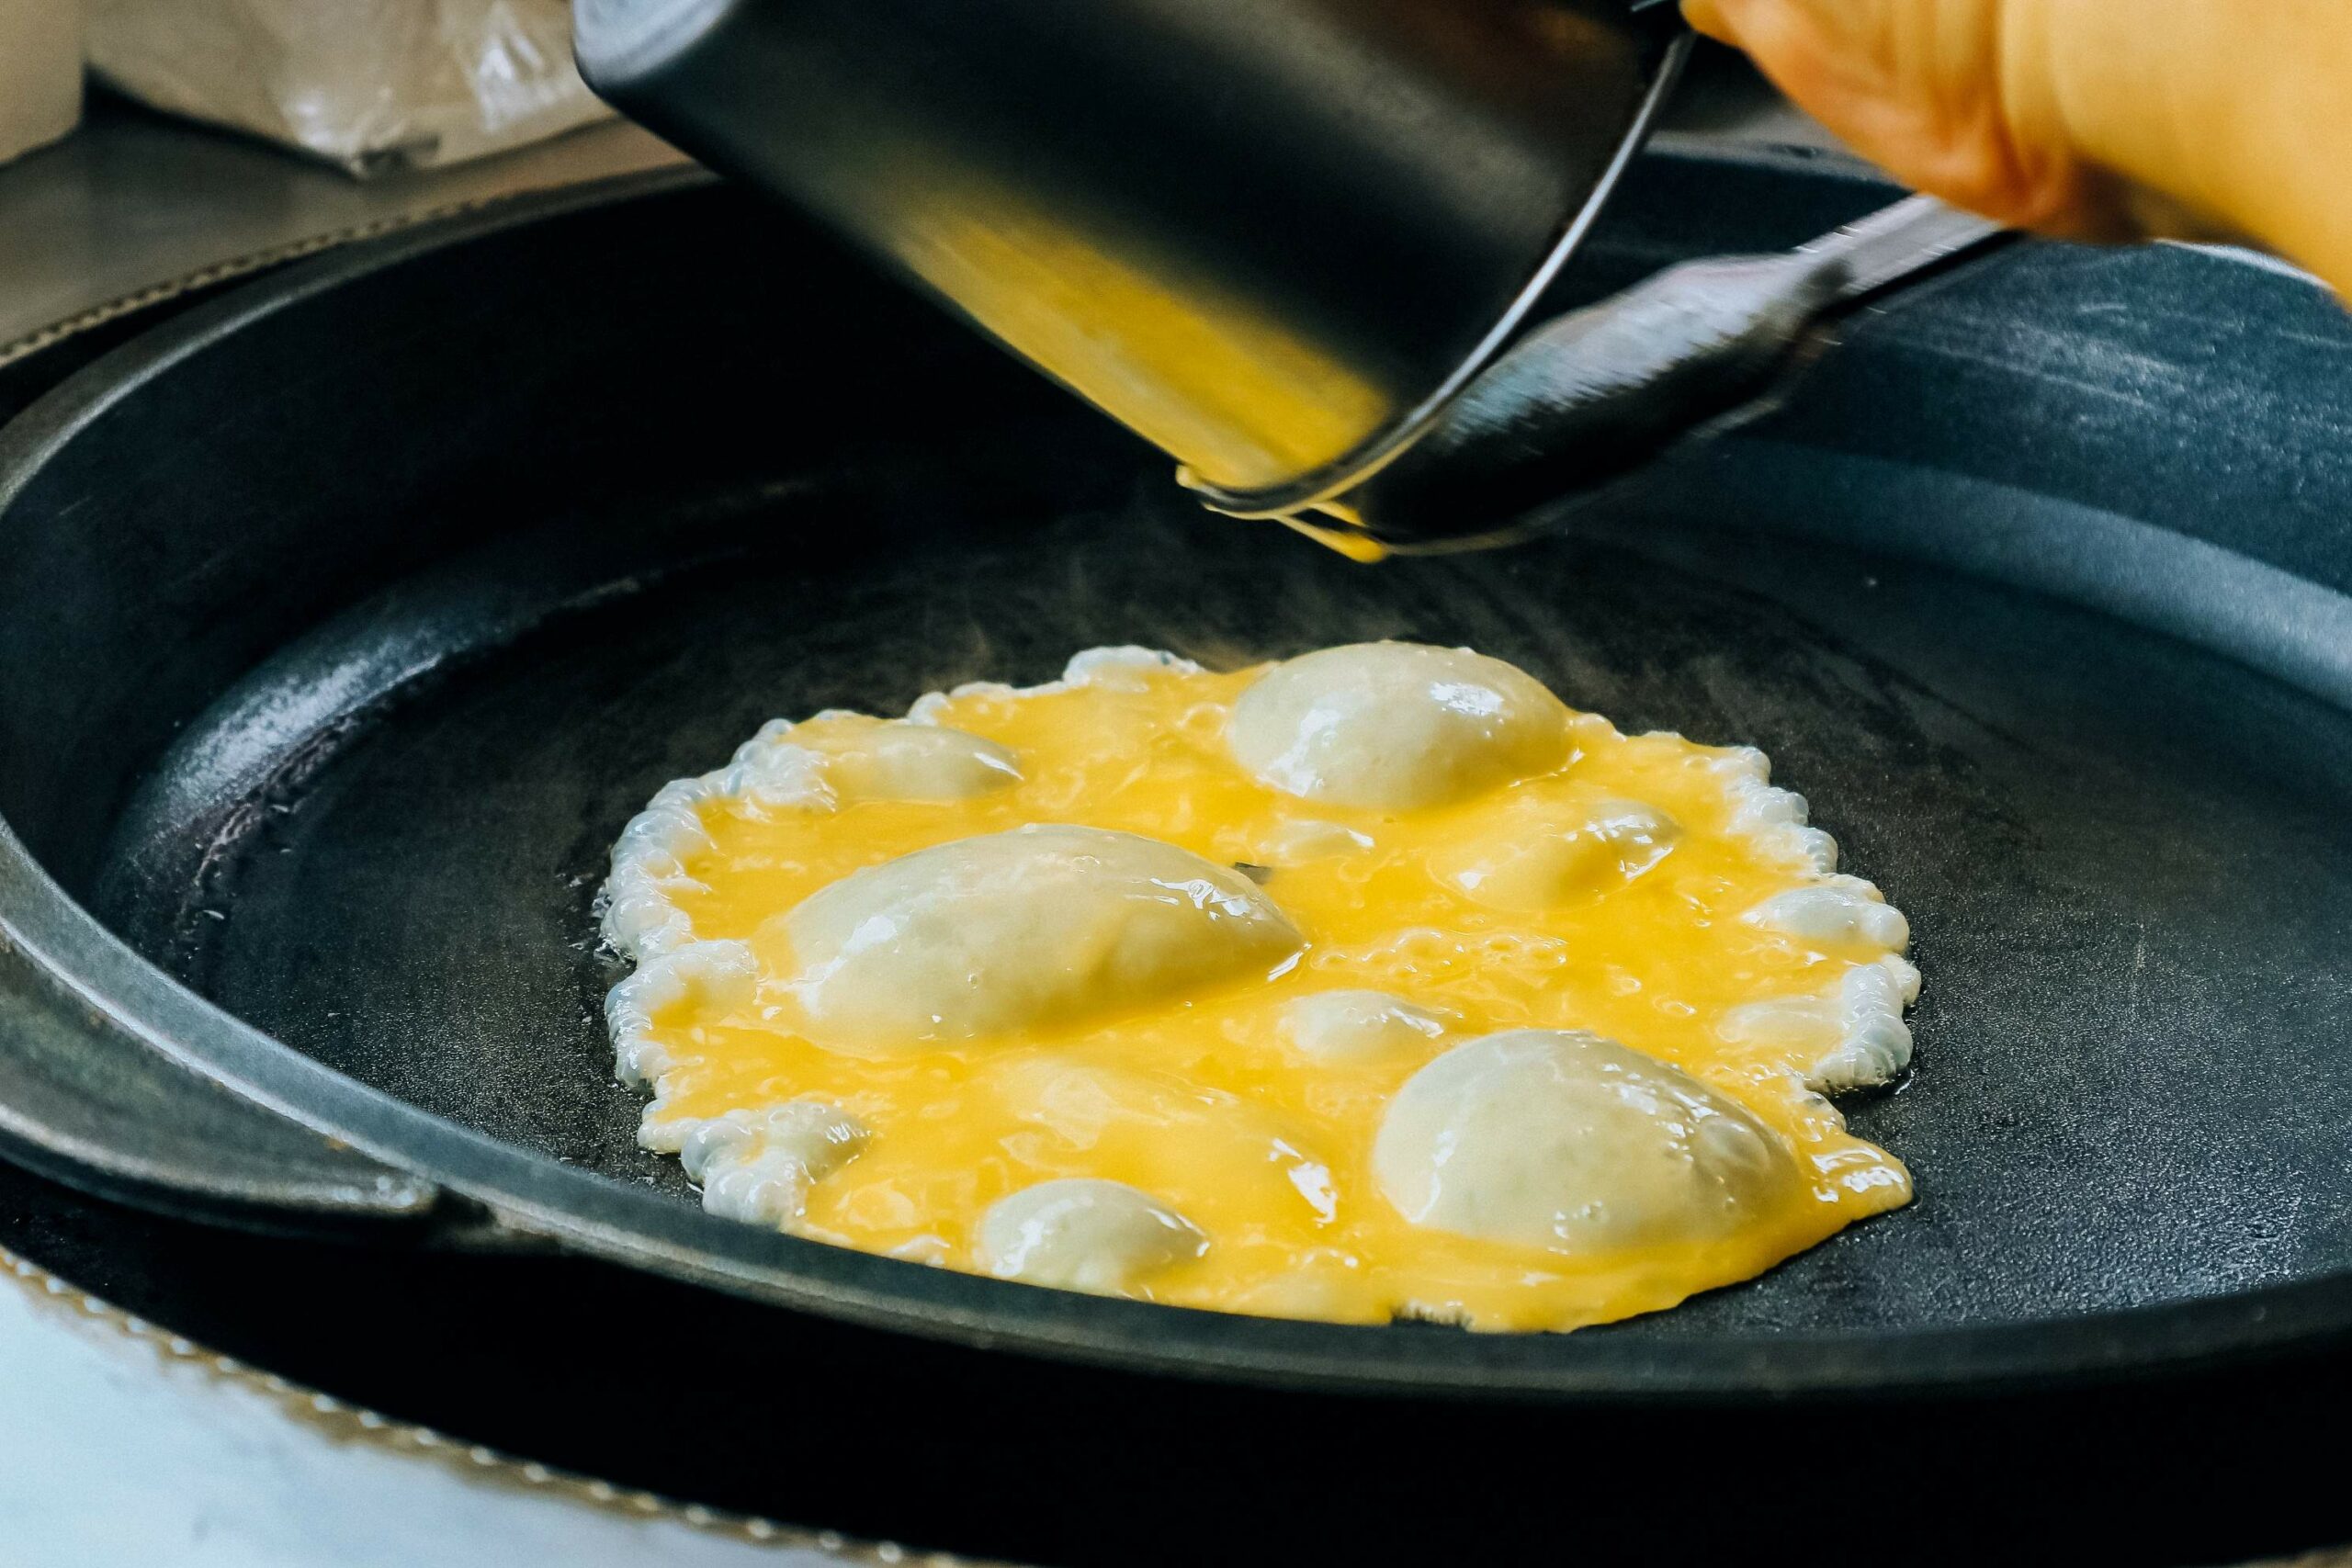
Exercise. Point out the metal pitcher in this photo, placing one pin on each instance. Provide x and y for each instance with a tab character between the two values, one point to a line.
1274	237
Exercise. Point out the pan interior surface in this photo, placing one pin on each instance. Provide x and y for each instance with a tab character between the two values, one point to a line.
2121	857
344	687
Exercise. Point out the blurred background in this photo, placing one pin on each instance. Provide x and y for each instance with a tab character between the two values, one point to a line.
144	143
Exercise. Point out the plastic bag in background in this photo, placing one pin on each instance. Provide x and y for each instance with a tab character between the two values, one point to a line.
370	85
40	73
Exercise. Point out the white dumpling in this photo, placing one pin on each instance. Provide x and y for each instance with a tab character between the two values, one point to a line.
1544	849
1125	668
1306	841
1165	1133
1042	925
719	976
896	760
1836	910
1564	1140
1394	726
758	1165
841	759
1082	1234
1359	1026
1849	1036
642	919
1775	820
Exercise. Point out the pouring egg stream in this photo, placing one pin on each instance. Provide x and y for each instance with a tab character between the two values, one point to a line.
1374	983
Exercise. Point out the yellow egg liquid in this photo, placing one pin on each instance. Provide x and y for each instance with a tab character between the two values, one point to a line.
1199	1101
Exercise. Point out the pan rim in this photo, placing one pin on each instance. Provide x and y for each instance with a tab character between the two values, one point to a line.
536	1197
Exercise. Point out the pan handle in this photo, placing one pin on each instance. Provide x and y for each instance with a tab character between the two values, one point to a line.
85	1103
1598	392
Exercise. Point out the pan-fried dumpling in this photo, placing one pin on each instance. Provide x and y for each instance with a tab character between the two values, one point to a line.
1850	1035
1085	1234
1039	926
1393	725
1837	910
841	759
1539	850
1359	1026
1563	1140
759	1164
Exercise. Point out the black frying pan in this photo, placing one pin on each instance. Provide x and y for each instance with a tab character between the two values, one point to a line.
343	622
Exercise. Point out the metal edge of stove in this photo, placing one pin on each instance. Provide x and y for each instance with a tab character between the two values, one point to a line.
343	1422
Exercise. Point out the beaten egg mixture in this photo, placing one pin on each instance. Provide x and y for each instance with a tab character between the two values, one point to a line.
1378	983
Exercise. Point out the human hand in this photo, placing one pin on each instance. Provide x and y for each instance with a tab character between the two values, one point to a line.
2098	120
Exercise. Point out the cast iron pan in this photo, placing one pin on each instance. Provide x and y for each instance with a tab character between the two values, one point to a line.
343	621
